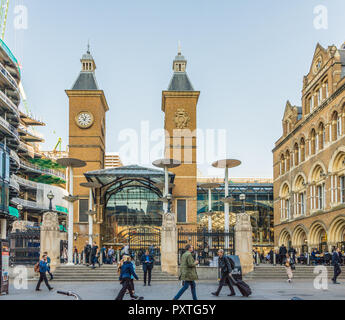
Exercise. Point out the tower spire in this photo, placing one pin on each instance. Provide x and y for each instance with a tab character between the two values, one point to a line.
179	52
88	46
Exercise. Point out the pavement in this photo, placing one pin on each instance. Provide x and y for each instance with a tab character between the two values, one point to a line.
262	290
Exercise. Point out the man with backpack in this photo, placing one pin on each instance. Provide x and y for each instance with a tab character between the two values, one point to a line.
48	265
42	268
225	267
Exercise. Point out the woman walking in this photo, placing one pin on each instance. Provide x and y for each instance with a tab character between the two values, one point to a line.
289	266
126	271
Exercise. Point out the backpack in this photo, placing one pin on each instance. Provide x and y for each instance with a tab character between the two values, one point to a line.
37	267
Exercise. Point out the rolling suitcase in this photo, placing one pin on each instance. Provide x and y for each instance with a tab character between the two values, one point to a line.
242	287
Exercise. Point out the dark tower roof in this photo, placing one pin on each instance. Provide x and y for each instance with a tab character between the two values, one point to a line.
180	80
86	79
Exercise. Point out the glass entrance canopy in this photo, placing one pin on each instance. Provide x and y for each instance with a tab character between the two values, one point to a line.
131	196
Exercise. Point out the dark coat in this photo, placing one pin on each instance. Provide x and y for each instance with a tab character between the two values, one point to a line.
336	258
146	265
283	251
224	265
127	271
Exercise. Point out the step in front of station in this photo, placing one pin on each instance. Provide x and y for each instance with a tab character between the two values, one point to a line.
279	272
81	273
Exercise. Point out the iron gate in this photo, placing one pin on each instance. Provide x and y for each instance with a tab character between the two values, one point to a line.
24	247
142	239
206	244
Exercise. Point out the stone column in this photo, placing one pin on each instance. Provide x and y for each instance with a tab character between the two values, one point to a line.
50	238
3	226
169	252
244	242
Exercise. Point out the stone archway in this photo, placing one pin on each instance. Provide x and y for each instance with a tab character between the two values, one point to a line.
337	231
284	238
299	238
317	235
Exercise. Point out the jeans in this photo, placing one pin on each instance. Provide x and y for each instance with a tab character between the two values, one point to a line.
185	287
337	272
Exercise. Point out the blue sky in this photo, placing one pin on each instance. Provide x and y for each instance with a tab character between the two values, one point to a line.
246	57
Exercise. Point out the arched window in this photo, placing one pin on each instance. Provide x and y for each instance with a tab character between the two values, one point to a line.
322	136
296	154
312	142
285	202
302	150
287	160
335	126
300	196
317	190
282	164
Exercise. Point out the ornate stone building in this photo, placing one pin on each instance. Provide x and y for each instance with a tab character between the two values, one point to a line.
309	159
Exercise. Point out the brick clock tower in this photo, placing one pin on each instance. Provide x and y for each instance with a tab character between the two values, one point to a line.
87	113
179	104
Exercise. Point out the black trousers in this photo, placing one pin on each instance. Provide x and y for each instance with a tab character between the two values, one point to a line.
147	271
126	285
225	280
337	272
43	277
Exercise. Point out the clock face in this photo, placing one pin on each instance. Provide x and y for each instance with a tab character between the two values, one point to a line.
84	119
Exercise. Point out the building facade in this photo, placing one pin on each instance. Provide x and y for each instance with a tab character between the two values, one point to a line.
112	160
309	159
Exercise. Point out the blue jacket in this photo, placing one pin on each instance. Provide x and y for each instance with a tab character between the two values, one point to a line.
147	264
43	266
127	271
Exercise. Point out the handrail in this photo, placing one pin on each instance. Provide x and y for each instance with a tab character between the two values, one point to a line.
26	147
14	156
26	203
25	182
14	183
9	127
8	76
43	170
9	103
31	132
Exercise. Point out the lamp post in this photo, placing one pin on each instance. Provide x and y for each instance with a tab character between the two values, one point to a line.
210	212
91	213
50	196
166	164
243	198
20	208
226	164
70	163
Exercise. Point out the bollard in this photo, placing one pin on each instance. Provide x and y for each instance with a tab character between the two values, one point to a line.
79	258
257	259
117	256
274	259
84	260
308	259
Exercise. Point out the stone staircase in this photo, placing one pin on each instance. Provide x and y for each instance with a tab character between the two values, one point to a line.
81	273
268	271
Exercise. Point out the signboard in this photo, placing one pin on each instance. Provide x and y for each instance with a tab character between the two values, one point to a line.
4	266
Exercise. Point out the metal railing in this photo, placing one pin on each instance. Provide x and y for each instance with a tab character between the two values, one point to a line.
14	184
25	182
9	127
38	169
31	132
25	146
15	157
9	103
9	77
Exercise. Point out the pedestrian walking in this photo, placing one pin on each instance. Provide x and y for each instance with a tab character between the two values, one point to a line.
188	273
289	266
87	251
48	266
336	264
126	271
94	255
147	261
224	264
282	254
110	255
43	268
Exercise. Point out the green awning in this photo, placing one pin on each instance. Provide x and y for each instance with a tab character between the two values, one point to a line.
61	209
14	212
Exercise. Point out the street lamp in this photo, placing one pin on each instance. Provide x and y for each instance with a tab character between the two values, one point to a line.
243	198
50	196
20	208
226	164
